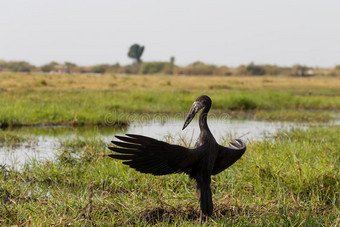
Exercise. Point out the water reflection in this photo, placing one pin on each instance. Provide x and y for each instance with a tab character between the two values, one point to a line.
221	129
47	140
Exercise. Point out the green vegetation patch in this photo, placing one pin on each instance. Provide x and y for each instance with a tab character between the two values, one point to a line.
289	180
296	116
114	108
10	139
78	100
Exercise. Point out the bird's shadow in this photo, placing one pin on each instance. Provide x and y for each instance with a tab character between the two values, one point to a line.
169	214
191	213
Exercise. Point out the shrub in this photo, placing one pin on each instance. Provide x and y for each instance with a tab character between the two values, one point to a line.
153	67
100	68
255	69
242	103
197	68
19	66
131	69
48	67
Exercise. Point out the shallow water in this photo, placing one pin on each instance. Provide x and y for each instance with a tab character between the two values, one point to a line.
45	142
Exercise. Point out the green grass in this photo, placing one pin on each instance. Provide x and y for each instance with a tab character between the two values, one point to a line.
290	180
110	107
11	139
78	100
296	115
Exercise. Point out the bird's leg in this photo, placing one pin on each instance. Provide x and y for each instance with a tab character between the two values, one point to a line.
203	218
198	194
201	214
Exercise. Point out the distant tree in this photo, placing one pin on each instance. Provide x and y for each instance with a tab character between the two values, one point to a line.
115	68
255	69
117	65
49	67
198	68
302	71
335	71
19	66
153	67
171	66
100	68
172	61
337	67
131	69
136	52
2	65
71	67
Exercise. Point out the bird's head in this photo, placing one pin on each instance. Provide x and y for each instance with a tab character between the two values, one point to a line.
201	102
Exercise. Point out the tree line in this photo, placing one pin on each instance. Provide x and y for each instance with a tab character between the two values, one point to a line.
170	68
161	67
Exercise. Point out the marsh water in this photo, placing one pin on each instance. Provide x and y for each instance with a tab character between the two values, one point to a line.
44	143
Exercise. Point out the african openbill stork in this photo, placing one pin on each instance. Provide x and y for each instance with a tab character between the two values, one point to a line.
148	155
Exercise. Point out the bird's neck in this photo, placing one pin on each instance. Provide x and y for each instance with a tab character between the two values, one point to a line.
203	119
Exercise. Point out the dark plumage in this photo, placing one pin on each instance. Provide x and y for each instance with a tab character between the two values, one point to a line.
148	155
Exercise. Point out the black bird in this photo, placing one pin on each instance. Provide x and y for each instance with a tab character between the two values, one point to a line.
148	155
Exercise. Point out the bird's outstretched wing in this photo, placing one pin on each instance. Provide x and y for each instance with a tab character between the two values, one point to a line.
148	155
228	155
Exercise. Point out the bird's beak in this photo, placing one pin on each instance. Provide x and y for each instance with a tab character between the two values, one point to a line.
196	106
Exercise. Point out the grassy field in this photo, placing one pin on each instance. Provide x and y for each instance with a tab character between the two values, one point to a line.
289	180
292	179
32	99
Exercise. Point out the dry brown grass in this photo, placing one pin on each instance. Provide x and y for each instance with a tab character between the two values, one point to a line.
16	81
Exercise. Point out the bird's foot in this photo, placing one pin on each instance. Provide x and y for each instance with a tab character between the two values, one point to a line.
203	218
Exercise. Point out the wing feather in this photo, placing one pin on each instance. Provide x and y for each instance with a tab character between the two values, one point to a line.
148	155
229	155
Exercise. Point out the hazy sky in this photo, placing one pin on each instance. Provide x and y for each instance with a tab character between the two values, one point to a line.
222	32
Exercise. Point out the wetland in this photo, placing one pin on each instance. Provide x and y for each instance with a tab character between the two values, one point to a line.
54	138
